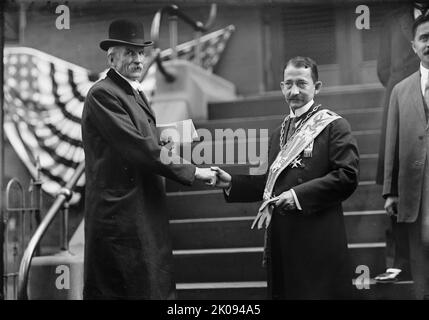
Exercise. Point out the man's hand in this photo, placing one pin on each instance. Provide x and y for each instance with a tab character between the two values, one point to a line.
223	178
391	206
286	201
169	144
206	175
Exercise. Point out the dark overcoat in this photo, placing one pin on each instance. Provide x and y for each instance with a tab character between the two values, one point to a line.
307	251
396	61
128	252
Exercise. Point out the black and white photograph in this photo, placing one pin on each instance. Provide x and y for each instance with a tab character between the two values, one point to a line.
217	155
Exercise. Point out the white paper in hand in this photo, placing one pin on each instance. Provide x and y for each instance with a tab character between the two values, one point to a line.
179	132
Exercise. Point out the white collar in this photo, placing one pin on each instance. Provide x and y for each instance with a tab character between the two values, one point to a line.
299	112
424	72
133	83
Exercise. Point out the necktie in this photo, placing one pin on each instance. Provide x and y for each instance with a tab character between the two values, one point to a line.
291	128
426	104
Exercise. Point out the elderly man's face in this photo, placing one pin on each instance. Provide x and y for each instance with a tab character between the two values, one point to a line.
128	61
421	43
298	86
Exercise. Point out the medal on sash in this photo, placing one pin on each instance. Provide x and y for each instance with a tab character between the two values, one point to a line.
308	151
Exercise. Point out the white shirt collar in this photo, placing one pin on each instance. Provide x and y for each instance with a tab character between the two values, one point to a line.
299	112
133	83
424	73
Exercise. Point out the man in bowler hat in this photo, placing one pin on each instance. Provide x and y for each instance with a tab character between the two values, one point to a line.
128	252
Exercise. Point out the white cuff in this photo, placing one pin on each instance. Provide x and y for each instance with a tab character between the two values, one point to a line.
298	206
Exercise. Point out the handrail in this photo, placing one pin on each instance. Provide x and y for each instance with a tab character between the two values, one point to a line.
156	57
63	196
173	12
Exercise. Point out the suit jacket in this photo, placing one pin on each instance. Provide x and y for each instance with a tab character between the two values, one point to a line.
307	250
396	61
406	147
127	243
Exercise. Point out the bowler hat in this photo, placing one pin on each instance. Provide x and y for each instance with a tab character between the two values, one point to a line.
125	32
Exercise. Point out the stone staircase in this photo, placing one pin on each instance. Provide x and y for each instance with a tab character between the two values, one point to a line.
218	256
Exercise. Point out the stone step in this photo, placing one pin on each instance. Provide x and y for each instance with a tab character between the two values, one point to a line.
338	98
366	197
368	168
251	290
211	203
245	264
236	232
360	119
257	290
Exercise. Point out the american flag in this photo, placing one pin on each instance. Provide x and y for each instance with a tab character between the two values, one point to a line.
44	96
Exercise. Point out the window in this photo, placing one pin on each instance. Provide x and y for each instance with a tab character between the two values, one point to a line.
309	30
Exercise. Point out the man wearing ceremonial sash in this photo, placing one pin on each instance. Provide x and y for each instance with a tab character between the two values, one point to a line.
313	167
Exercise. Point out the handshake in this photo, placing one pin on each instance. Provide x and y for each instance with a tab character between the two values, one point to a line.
213	176
216	177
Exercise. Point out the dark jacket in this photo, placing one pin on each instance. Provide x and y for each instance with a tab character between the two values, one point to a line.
307	250
128	252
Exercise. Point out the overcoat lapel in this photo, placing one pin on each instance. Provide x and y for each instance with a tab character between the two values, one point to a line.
130	91
417	98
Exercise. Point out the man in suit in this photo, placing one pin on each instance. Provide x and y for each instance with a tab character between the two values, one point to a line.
406	172
128	252
313	161
396	61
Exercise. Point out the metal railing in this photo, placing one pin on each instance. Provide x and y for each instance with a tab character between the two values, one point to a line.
19	224
174	13
61	202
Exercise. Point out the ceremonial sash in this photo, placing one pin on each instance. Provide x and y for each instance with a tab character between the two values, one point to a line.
293	148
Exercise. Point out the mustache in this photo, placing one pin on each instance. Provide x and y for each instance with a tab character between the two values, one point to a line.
293	98
136	67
